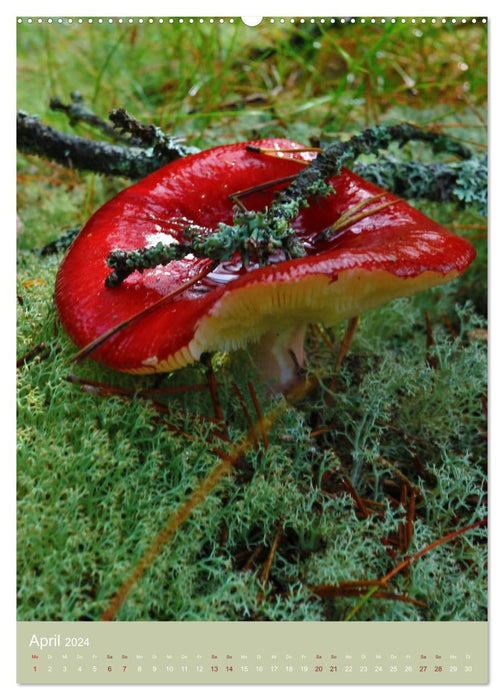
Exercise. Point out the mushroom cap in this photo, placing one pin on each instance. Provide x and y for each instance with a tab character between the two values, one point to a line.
382	249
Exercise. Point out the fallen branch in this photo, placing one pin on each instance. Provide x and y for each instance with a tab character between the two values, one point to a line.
133	162
77	112
148	148
463	183
256	235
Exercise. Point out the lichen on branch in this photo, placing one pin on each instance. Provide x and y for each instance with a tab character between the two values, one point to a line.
140	149
249	236
146	149
463	183
256	236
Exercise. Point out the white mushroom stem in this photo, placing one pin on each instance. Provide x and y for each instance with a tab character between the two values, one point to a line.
279	357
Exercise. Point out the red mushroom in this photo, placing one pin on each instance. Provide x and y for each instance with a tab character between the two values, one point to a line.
379	248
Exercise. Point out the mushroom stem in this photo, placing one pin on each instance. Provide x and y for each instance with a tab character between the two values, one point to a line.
279	357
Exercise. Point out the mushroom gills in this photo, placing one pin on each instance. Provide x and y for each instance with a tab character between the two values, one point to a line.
273	321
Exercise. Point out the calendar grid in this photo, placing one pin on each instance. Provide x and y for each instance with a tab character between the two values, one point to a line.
193	652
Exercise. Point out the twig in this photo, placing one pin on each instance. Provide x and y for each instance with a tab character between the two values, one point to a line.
259	414
35	138
407	562
151	137
39	350
462	183
77	112
269	561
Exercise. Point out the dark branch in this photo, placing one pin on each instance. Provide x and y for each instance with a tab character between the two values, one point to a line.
142	135
463	183
35	138
312	180
257	235
328	163
150	136
254	235
78	112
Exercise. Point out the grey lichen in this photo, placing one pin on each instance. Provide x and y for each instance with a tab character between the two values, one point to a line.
256	236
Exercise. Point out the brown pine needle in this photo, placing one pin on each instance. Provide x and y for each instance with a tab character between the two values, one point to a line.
39	350
223	469
442	540
252	558
350	589
321	431
346	342
246	413
269	561
449	326
316	328
406	562
101	389
109	389
351	490
259	188
330	590
356	214
165	410
344	348
259	414
276	151
214	394
410	517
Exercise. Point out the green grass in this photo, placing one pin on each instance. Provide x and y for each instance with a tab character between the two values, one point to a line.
99	476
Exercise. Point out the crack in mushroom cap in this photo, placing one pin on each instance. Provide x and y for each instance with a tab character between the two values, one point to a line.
386	250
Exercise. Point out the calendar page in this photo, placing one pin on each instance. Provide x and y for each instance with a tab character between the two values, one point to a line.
252	350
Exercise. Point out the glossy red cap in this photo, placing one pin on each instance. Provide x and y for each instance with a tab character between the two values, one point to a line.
381	248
